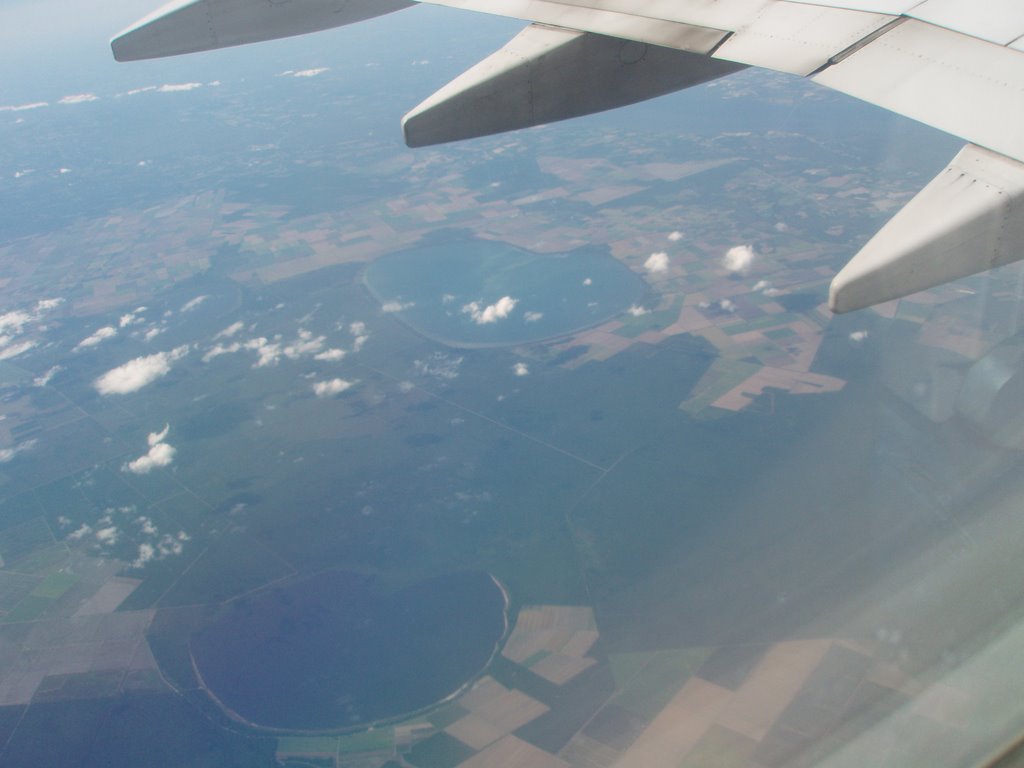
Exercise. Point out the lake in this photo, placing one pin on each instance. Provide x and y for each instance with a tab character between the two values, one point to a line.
468	292
331	651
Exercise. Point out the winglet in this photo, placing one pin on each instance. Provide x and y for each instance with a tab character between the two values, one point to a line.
968	219
187	26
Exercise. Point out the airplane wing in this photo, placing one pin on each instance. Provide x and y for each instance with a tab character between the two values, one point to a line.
957	65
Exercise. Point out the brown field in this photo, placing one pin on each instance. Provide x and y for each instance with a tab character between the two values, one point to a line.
511	752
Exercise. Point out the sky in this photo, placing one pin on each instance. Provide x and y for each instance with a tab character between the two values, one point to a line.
53	48
60	44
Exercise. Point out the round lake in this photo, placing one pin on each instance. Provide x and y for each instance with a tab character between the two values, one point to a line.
479	292
331	651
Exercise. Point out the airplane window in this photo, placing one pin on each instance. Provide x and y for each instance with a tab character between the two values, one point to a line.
535	449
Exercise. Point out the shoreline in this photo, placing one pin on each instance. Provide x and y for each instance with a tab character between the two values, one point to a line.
364	727
455	344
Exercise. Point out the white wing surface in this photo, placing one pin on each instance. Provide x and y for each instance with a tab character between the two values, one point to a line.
957	65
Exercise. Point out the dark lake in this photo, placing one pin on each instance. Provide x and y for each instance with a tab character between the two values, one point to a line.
332	651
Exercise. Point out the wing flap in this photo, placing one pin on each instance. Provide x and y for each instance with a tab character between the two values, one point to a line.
799	39
964	86
998	21
729	15
602	18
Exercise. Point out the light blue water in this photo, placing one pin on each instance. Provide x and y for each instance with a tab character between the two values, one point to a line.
444	290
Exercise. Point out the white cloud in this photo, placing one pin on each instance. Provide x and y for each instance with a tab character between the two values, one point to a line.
358	342
588	281
858	336
396	306
492	313
305	344
44	305
152	333
159	455
171	545
42	381
131	318
739	259
330	355
8	454
16	349
148	528
230	331
146	553
108	535
533	317
357	329
521	369
637	311
269	352
781	226
448	298
101	335
761	285
137	373
24	107
727	305
656	262
308	72
188	306
14	321
331	387
166	546
675	237
136	91
80	533
79	98
221	349
158	437
439	366
178	87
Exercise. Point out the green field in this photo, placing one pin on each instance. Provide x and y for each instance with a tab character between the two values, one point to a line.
307	745
29	608
55	585
45	559
376	740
